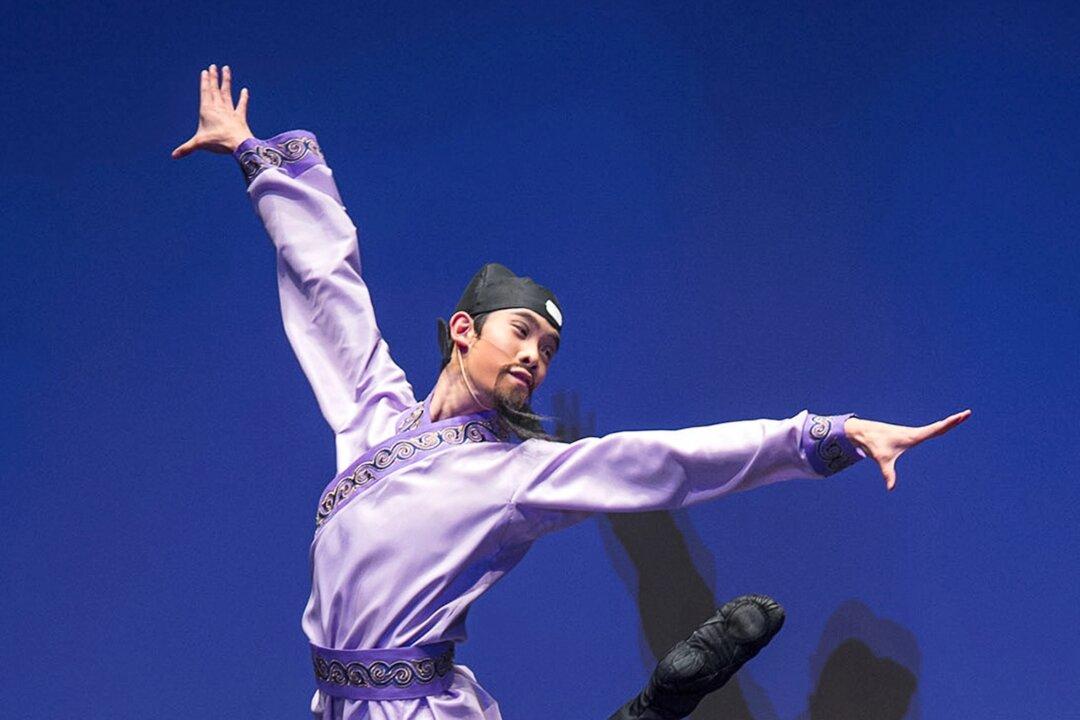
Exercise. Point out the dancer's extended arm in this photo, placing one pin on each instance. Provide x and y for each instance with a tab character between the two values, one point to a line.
325	305
668	469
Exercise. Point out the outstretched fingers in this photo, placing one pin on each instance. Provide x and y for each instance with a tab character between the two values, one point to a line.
909	438
226	85
204	89
219	121
215	85
942	426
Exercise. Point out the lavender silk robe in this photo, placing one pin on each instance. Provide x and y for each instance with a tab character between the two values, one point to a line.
399	563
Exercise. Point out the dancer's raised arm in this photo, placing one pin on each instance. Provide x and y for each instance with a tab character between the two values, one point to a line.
325	305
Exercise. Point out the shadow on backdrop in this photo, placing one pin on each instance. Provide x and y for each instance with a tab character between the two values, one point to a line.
673	596
864	667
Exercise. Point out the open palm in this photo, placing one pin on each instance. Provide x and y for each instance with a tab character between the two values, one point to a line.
222	126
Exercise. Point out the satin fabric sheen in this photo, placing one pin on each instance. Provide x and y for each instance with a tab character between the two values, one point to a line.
401	564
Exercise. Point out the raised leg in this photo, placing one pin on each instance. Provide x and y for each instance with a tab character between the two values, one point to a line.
706	660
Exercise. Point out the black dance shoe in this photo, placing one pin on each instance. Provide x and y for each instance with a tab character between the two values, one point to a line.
706	660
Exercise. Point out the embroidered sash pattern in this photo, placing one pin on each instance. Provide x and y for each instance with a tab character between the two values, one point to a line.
396	452
380	674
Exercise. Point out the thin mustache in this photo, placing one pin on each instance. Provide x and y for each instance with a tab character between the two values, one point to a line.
507	368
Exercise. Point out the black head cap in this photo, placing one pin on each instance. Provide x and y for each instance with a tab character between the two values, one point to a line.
495	287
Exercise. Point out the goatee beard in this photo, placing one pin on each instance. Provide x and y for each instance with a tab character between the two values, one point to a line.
516	414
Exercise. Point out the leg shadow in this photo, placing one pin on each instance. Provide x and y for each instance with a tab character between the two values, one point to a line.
864	667
656	558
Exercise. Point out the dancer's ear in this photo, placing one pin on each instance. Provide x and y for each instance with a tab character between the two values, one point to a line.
462	331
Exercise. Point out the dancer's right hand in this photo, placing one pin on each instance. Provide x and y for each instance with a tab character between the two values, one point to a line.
222	127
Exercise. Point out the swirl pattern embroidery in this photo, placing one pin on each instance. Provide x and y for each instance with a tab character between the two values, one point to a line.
826	445
412	420
380	674
254	161
385	457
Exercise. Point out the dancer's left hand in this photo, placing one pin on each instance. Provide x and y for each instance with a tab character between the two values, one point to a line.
885	443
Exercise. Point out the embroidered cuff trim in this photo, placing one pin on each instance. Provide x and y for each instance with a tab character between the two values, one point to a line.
294	152
827	445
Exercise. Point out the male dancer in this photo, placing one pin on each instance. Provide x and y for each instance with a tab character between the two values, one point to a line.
396	562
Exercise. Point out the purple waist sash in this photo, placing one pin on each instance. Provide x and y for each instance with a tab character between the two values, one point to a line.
387	674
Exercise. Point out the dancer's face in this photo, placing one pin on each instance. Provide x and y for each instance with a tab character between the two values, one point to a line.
511	356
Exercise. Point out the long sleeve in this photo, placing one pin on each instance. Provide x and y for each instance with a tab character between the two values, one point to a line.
635	471
325	305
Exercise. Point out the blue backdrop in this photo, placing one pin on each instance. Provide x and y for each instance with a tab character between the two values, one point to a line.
744	212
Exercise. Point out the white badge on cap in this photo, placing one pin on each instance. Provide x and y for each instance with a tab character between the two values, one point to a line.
553	311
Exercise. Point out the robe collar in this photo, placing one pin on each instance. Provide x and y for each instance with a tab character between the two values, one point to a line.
419	418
